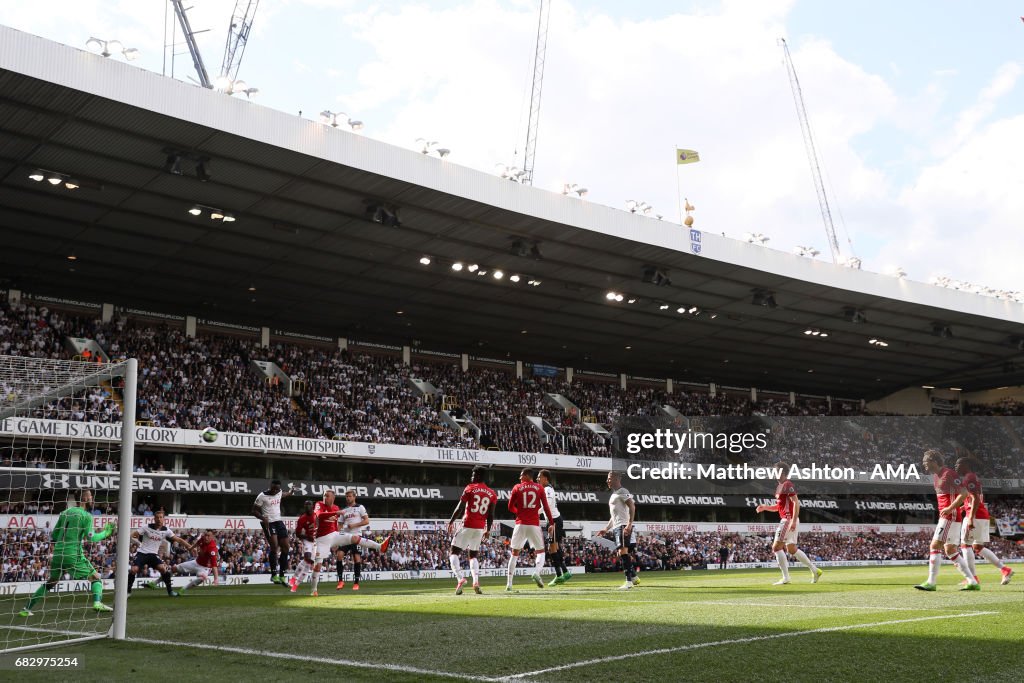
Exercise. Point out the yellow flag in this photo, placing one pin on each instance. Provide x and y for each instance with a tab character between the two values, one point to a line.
687	156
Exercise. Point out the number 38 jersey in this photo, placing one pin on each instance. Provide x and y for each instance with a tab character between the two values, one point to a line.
479	499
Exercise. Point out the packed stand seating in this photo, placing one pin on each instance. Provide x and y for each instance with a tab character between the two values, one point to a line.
207	381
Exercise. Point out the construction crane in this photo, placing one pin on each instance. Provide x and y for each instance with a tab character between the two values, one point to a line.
812	154
533	122
190	40
238	35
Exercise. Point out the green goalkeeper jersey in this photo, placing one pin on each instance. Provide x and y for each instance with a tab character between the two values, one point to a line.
73	526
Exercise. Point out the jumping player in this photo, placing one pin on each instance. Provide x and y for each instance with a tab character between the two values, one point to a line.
556	531
267	509
788	506
623	514
354	521
150	538
305	527
478	501
328	540
526	502
73	526
975	521
947	486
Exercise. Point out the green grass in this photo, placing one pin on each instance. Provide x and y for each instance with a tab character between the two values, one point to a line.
722	626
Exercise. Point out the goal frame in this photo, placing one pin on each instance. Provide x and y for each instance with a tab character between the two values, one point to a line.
127	369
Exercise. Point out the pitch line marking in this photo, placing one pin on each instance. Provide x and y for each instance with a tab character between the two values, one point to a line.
735	641
319	660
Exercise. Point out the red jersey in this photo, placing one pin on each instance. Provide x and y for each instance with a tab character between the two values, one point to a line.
947	485
972	484
207	555
325	526
305	525
526	501
479	499
785	499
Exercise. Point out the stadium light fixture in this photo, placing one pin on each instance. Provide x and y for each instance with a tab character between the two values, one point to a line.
663	307
927	386
761	297
755	238
631	301
482	271
425	260
37	176
107	48
72	257
942	331
880	343
573	188
228	218
457	266
514	278
897	272
534	283
216	215
640	207
331	118
854	315
513	173
853	262
196	210
473	268
956	389
54	178
498	274
656	276
428	146
809	252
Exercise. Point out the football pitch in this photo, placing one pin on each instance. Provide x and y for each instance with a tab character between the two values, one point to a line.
700	625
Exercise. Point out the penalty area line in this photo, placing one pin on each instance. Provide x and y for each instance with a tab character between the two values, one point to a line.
399	668
734	641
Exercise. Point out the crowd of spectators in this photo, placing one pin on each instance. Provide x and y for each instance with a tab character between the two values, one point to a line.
25	552
209	381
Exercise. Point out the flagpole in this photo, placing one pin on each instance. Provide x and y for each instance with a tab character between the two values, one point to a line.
679	190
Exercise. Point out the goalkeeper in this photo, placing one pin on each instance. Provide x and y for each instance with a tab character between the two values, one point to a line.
74	526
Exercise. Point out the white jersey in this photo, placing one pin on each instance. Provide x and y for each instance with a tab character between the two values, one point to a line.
270	505
151	539
617	505
549	493
351	516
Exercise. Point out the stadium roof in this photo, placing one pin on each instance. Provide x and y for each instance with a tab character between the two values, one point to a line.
300	193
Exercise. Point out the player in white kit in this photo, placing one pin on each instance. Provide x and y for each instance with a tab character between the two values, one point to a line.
555	530
267	509
354	520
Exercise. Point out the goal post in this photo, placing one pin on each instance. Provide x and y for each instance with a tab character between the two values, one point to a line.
61	568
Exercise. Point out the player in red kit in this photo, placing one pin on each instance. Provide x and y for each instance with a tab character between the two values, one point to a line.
305	531
975	521
328	539
787	504
204	564
947	486
478	501
525	502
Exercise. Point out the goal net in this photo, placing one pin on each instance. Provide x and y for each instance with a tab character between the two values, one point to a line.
65	480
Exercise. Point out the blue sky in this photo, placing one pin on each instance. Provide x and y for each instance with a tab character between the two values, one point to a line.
917	106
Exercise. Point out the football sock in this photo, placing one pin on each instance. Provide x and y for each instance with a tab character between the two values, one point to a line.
273	563
512	560
804	560
934	561
195	582
316	579
627	566
356	567
372	545
303	571
968	553
131	581
166	578
539	562
456	564
340	566
36	597
556	562
992	558
961	565
97	590
474	569
780	556
282	560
